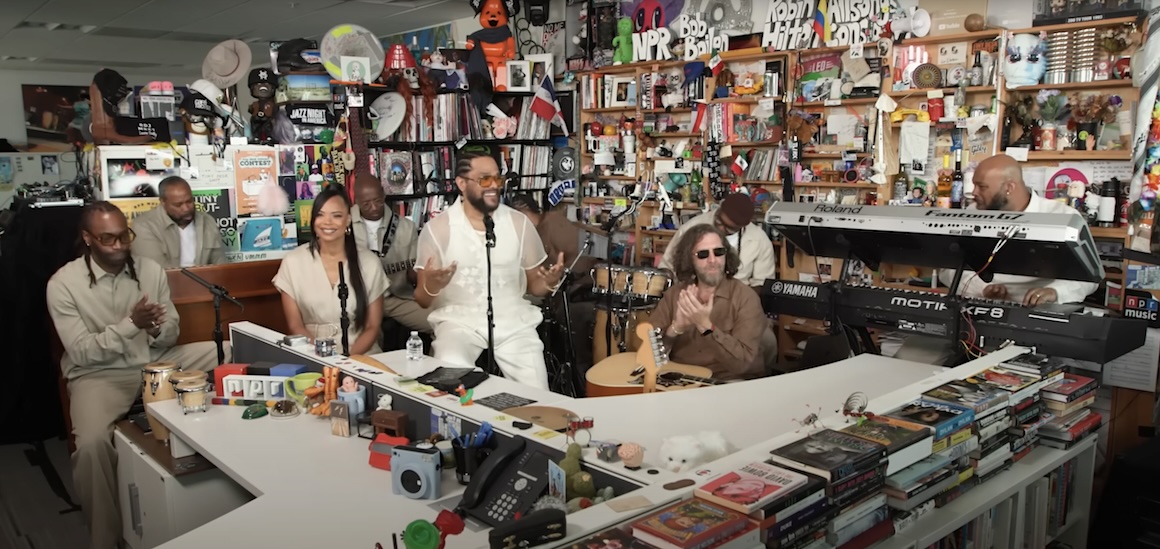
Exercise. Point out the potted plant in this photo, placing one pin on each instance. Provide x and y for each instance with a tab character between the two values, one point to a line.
1114	41
1088	112
1052	110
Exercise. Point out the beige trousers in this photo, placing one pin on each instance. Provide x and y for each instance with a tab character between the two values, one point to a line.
97	400
407	312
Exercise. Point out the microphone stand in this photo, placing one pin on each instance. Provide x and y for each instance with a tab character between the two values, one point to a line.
489	231
344	317
219	293
573	383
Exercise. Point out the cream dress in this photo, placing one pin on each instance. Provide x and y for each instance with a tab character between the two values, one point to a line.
303	277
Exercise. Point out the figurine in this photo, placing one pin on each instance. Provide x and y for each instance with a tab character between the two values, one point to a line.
465	396
385	401
255	411
622	42
494	44
262	83
401	74
632	454
1025	61
683	452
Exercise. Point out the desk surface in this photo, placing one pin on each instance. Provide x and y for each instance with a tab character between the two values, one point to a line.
304	475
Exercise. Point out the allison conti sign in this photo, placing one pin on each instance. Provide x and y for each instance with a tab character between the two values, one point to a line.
789	25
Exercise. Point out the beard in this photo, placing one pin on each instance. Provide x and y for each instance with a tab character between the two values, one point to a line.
997	203
710	277
479	202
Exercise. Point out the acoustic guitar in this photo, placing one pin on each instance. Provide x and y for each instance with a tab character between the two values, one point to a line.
647	370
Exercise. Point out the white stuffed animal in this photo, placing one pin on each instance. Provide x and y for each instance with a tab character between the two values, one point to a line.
683	452
385	401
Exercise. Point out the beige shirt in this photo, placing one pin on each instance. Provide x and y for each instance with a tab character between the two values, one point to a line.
159	239
401	251
93	321
302	276
755	251
1069	291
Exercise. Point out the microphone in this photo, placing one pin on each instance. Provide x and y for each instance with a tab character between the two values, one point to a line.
489	230
344	318
213	288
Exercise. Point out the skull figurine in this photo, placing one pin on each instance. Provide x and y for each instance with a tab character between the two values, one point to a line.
412	76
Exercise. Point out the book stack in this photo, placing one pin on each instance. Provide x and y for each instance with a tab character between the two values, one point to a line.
783	502
853	470
1069	401
985	434
696	524
911	491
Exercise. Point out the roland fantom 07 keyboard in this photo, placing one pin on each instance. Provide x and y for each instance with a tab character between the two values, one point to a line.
1057	330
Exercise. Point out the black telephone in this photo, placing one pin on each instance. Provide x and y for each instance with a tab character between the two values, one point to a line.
508	482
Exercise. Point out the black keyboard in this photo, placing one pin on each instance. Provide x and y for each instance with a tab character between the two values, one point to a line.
1060	330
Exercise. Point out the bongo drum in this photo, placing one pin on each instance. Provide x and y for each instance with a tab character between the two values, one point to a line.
611	279
192	396
624	321
155	378
649	283
183	376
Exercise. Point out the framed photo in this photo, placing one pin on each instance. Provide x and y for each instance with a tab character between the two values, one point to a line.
623	92
519	76
543	64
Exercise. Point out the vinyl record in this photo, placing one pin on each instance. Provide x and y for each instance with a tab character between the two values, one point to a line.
390	109
350	41
564	163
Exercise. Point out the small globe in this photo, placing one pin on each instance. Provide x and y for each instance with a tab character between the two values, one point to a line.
974	22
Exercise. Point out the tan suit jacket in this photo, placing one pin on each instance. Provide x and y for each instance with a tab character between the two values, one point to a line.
159	239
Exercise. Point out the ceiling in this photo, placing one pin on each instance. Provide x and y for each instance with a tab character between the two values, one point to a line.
173	36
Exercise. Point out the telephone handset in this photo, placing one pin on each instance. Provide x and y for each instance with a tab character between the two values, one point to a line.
507	483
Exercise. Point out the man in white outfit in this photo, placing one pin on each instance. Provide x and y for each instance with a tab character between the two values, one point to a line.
452	276
999	186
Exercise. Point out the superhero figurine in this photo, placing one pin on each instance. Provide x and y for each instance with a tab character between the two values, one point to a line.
262	83
492	45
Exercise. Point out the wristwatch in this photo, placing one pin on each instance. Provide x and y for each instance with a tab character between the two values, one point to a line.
708	330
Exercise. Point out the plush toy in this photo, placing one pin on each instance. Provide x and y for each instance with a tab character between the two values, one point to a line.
578	483
385	401
622	42
262	83
683	452
800	127
632	454
491	47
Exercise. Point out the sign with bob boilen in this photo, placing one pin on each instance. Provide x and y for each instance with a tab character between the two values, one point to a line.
800	24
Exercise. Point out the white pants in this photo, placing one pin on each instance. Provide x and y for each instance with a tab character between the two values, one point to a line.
519	353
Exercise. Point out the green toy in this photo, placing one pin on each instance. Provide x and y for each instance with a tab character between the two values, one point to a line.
254	411
622	42
577	482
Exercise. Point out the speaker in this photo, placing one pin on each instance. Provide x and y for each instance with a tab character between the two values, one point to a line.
564	164
537	11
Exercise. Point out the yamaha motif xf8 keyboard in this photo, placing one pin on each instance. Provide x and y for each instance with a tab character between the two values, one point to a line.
1057	330
1041	245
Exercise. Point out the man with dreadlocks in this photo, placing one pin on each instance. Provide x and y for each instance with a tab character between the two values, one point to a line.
113	315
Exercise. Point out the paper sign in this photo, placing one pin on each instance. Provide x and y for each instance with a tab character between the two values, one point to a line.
1018	153
1137	369
620	202
545	434
954	53
766	103
556	482
158	159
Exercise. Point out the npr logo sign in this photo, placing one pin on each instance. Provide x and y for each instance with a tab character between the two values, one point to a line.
1140	304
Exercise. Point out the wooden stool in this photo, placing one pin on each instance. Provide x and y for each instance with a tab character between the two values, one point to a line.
391	422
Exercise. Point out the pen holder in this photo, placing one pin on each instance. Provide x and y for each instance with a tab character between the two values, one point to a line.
467	460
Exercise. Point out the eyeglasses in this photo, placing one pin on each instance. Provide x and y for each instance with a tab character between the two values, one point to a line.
704	254
725	227
108	239
487	181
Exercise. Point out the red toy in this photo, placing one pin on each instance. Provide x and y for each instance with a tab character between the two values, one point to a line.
493	45
380	449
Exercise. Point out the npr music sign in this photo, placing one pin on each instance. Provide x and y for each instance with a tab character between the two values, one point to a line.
789	24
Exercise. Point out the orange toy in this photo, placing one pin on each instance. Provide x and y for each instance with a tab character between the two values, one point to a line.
328	392
494	44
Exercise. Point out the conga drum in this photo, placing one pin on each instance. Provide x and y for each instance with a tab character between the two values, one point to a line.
624	321
611	279
155	377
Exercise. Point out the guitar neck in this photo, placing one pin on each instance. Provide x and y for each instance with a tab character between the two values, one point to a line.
399	266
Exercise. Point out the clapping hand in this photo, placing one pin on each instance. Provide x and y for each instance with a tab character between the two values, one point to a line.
694	310
147	316
437	279
551	275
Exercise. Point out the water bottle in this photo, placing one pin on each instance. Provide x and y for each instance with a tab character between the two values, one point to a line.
414	347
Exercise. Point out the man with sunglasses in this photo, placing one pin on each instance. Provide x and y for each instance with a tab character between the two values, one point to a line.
113	314
176	234
709	317
394	239
754	250
453	276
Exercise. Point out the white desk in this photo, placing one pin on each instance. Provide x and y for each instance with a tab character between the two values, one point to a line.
313	488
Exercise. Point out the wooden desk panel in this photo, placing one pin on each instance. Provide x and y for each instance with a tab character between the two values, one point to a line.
248	282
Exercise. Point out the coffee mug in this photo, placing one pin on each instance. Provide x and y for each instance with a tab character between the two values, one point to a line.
356	400
297	385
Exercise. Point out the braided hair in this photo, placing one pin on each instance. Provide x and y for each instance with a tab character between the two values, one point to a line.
88	213
356	278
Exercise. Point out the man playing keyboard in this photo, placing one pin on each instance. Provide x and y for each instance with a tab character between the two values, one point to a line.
999	186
